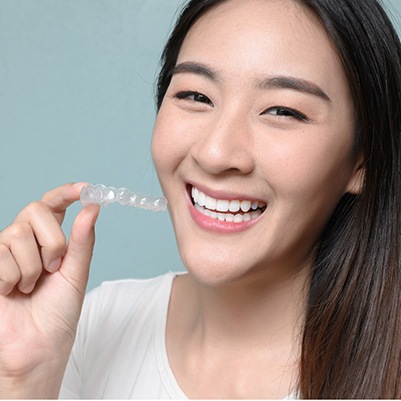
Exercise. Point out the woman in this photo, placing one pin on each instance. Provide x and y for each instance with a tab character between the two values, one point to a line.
277	144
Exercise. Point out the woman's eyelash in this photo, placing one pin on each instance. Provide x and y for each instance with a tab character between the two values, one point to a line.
193	96
281	111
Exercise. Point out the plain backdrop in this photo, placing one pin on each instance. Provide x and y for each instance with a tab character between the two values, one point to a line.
77	104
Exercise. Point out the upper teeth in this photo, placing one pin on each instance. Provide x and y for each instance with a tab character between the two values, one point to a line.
222	205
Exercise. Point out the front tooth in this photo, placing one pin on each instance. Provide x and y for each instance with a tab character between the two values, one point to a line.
238	218
201	199
221	216
234	206
210	203
222	205
229	217
245	205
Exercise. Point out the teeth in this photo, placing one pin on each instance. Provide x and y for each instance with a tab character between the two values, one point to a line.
211	207
234	206
245	205
229	217
223	205
201	199
210	203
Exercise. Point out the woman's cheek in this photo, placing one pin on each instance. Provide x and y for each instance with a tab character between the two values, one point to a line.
173	137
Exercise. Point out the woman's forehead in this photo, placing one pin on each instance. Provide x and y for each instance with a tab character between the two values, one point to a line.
264	37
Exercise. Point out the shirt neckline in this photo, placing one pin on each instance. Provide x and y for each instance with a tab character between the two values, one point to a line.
170	382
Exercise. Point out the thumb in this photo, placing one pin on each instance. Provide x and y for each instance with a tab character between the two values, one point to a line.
78	256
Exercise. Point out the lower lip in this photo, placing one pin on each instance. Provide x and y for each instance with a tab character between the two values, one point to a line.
211	224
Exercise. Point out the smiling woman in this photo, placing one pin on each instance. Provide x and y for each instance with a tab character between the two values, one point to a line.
244	131
277	145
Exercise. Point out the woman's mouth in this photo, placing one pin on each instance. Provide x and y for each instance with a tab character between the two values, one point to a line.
224	210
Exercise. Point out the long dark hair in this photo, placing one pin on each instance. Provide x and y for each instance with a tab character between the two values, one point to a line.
351	345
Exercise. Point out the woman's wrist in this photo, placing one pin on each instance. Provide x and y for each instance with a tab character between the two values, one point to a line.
41	382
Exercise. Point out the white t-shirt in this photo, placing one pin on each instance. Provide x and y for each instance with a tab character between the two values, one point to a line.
120	349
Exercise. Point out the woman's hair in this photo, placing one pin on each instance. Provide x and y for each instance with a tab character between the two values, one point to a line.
351	346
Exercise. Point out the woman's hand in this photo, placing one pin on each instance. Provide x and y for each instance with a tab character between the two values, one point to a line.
42	287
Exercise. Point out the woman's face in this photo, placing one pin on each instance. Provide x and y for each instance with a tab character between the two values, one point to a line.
258	117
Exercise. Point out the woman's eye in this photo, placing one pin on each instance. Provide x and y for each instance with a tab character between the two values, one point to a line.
194	97
286	112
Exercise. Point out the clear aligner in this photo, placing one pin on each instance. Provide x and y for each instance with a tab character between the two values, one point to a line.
103	196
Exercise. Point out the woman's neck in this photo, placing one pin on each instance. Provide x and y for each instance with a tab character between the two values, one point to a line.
254	327
253	313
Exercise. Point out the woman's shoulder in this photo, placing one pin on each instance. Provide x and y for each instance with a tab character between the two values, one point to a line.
114	303
120	324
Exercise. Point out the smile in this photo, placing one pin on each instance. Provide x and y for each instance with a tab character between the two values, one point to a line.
232	211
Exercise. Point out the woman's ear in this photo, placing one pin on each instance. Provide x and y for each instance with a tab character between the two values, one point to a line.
357	180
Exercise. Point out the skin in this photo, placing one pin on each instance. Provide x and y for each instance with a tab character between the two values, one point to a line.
41	299
240	309
241	306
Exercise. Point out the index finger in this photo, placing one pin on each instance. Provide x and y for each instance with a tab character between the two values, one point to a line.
57	200
60	198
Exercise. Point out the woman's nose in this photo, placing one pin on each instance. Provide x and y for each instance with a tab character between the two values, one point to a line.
225	145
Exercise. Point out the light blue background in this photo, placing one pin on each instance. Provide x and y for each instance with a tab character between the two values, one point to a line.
77	104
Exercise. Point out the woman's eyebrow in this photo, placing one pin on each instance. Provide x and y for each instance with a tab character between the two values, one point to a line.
196	68
297	84
271	82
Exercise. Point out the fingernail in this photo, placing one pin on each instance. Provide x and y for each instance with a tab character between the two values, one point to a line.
29	289
79	184
54	265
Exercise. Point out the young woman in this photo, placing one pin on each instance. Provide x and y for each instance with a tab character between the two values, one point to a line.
277	144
